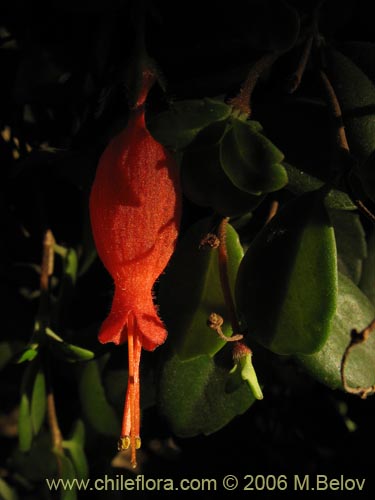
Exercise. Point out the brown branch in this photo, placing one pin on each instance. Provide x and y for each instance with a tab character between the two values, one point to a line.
242	102
295	79
272	211
334	105
46	272
365	211
356	339
47	260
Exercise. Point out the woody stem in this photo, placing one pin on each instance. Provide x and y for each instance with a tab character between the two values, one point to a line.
242	102
336	111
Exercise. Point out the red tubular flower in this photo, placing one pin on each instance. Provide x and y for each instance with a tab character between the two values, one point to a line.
135	206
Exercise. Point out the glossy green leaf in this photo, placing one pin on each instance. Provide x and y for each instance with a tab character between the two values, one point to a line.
6	492
350	243
194	396
356	94
353	311
287	282
190	291
177	127
250	160
204	181
98	413
65	351
38	400
75	447
367	281
300	182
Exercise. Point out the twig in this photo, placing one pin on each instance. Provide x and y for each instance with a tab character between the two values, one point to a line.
46	272
356	339
334	105
273	211
242	102
295	79
362	208
47	260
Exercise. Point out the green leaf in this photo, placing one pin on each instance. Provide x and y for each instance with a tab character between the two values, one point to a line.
6	492
70	266
353	311
177	127
367	281
38	463
204	181
29	418
250	160
287	282
65	351
190	291
194	397
356	94
68	280
98	413
38	400
75	447
350	243
25	428
67	474
300	182
28	354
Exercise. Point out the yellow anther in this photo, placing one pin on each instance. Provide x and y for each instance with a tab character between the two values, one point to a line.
123	443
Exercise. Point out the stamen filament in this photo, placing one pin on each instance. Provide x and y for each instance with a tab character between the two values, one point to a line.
131	420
